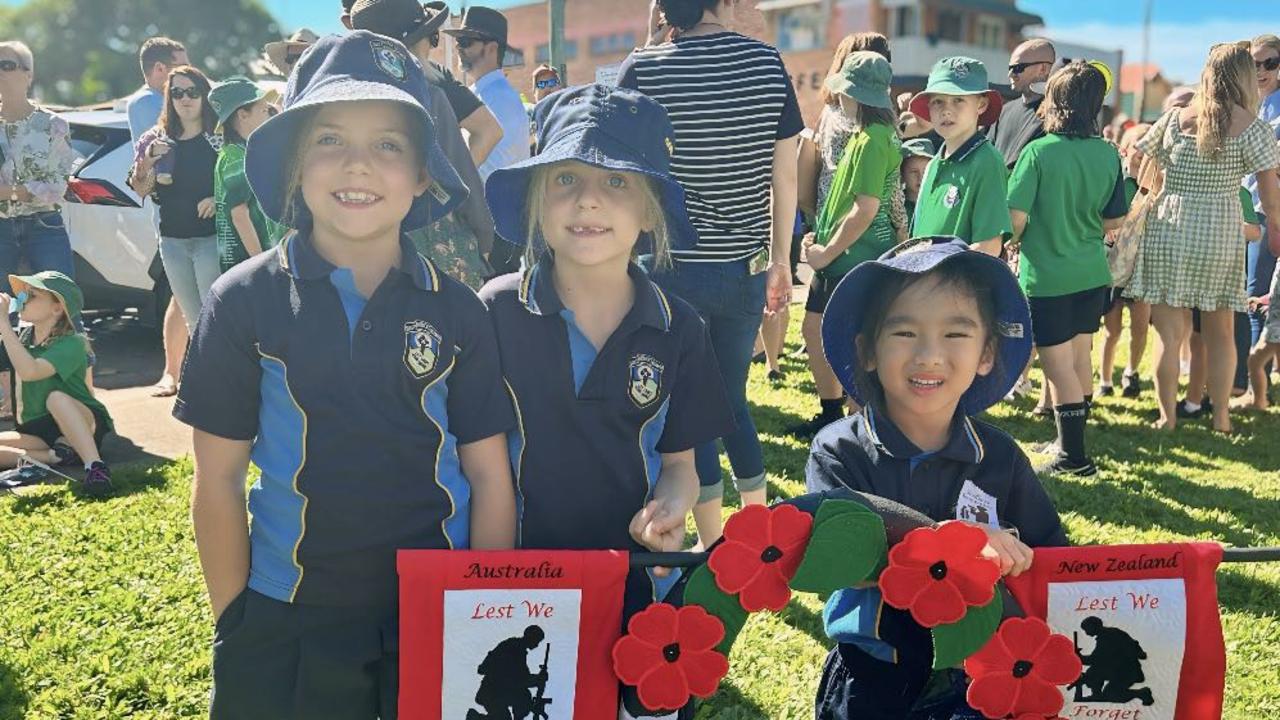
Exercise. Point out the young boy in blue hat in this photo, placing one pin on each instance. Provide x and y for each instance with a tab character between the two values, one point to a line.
614	381
363	383
963	191
924	338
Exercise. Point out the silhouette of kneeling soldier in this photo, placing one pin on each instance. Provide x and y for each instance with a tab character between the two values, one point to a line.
1114	667
507	688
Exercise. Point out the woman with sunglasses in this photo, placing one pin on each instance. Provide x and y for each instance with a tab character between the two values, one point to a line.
35	160
188	232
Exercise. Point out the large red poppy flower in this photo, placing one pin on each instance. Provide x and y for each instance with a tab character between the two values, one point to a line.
1019	671
938	573
761	551
669	654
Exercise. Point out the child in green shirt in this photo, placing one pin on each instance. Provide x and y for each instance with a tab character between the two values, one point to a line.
963	191
1066	191
853	223
243	229
61	422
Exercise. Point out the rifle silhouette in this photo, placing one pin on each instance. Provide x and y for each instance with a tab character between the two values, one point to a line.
1078	685
541	701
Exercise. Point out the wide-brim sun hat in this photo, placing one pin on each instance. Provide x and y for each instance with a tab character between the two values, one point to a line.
866	77
234	93
278	52
359	66
63	288
958	76
606	127
846	313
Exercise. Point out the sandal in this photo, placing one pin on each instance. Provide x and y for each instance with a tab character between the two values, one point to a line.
165	388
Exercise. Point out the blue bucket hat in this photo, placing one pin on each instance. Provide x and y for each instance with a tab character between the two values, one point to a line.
607	127
842	321
348	68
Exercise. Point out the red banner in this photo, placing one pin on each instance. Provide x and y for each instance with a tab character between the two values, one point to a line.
1144	619
526	633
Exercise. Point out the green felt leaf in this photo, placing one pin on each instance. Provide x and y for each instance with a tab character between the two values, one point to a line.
702	590
847	547
954	642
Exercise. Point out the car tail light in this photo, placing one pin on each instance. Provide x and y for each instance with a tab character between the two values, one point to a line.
96	192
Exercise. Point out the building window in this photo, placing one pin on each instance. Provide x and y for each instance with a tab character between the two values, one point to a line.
991	33
613	43
543	53
950	26
513	58
902	22
800	28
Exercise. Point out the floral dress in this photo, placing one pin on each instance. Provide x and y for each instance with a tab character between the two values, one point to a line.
1192	252
38	155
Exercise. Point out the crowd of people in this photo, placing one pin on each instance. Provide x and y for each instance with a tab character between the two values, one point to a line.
434	318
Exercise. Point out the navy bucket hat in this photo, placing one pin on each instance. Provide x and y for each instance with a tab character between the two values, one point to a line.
606	127
349	68
846	312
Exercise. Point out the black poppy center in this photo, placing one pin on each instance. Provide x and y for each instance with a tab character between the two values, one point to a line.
671	652
938	570
1022	668
771	554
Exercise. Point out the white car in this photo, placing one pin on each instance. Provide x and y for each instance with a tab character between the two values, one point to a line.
113	231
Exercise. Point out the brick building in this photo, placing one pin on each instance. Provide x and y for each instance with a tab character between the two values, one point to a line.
600	33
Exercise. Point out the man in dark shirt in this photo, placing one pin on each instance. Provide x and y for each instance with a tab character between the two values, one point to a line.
1019	123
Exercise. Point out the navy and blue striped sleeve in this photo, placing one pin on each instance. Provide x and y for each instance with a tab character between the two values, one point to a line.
479	406
220	392
699	410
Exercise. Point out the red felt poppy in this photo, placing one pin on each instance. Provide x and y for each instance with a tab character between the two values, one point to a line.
1019	671
669	654
938	573
761	552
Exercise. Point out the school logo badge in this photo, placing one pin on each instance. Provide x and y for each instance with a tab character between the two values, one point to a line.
421	348
389	59
646	380
953	197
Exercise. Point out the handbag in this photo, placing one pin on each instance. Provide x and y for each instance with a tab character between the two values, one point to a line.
1126	242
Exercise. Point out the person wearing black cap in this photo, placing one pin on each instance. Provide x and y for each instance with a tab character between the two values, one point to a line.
461	242
482	43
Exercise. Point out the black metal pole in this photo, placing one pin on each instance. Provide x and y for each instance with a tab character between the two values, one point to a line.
691	559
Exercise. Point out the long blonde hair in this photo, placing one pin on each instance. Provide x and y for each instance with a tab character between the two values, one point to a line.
1227	81
536	244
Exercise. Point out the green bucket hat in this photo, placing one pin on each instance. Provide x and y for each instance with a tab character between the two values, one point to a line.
958	76
921	147
234	93
63	287
865	76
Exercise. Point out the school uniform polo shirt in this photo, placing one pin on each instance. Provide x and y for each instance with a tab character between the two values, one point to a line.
355	406
1066	186
964	194
980	475
594	423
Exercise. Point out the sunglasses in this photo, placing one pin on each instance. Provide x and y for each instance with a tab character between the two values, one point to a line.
178	93
11	65
548	83
1019	68
466	42
292	58
1268	65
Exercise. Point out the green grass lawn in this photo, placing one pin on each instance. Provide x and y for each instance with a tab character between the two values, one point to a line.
102	612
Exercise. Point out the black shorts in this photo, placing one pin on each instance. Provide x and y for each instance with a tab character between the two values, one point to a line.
820	289
1058	319
46	428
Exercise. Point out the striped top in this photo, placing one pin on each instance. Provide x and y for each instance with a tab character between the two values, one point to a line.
730	99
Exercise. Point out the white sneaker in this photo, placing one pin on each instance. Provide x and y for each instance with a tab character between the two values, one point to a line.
1024	388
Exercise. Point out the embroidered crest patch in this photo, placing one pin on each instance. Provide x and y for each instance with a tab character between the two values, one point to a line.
646	380
421	348
953	197
389	58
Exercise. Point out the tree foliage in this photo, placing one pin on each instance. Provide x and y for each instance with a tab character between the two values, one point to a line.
86	51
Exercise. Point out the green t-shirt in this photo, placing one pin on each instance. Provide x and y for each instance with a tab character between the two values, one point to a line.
70	359
964	195
231	189
1246	206
1066	186
869	166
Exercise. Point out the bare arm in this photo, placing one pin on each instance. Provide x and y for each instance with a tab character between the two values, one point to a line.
487	467
1109	224
28	368
483	133
1019	219
659	526
807	173
243	222
1269	193
783	206
219	515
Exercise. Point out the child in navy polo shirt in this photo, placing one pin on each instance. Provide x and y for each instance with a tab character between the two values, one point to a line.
361	381
614	381
924	338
